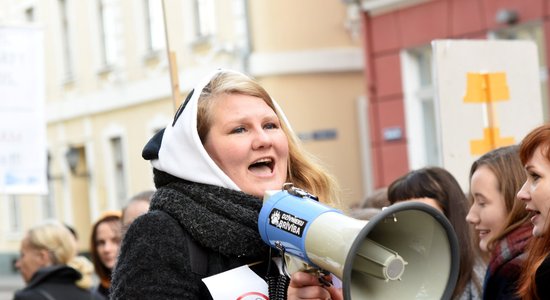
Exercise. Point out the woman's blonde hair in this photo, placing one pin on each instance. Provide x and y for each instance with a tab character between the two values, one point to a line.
304	170
60	242
55	238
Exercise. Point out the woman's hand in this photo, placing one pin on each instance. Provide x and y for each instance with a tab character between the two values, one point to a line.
307	286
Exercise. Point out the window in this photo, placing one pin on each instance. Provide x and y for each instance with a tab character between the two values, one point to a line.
420	109
29	14
205	15
533	32
14	208
119	170
48	202
154	18
107	32
65	39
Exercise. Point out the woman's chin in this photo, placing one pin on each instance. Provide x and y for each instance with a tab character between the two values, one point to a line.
537	231
483	246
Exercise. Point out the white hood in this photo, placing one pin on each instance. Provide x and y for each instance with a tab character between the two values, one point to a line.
181	153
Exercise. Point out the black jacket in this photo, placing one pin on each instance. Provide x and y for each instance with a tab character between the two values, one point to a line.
155	261
53	283
542	279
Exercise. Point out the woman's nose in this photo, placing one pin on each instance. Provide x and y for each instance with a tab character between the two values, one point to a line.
523	194
261	139
471	217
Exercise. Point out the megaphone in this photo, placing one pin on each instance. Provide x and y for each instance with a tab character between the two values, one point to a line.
407	251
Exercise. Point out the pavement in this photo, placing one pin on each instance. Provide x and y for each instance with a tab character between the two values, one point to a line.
9	284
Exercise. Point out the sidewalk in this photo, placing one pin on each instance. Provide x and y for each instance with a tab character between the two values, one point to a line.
8	285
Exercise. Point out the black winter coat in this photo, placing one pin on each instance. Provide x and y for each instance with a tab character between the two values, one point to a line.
162	270
54	283
542	279
154	260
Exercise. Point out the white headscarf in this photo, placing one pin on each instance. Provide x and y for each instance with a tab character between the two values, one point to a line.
179	149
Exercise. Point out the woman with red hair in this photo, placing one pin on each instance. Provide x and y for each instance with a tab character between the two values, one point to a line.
535	156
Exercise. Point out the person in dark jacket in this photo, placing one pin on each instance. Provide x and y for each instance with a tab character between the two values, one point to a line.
228	143
46	251
502	223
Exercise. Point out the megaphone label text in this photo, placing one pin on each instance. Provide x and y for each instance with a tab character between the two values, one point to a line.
287	222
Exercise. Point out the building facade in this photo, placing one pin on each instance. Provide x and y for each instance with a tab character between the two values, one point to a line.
398	70
108	90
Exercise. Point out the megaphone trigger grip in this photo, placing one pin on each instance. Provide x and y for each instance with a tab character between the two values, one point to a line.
279	246
282	266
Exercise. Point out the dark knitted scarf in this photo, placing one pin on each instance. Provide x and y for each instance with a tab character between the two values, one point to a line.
510	250
217	218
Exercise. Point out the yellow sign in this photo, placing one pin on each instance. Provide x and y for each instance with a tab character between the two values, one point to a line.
488	88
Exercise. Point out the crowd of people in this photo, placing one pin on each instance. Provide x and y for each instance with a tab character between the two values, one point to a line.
228	144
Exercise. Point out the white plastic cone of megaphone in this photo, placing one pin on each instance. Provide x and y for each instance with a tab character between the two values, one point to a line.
407	251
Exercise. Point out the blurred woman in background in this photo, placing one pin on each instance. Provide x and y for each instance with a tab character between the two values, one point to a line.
46	251
105	244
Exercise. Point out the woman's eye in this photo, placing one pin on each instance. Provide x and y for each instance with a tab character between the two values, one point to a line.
271	126
238	130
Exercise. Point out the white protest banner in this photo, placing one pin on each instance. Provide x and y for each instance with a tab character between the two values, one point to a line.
22	123
237	284
488	95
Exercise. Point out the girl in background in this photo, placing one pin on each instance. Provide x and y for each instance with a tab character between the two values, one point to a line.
501	222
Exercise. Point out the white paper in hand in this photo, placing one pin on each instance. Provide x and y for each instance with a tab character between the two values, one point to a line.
239	284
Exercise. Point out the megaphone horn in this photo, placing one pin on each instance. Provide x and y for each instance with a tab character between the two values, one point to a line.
407	251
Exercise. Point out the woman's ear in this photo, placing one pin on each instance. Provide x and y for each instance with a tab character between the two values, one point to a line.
44	257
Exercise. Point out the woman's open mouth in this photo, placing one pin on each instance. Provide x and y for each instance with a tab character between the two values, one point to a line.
263	166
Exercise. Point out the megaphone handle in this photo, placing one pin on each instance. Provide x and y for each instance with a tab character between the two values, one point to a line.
288	266
293	264
277	283
277	286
